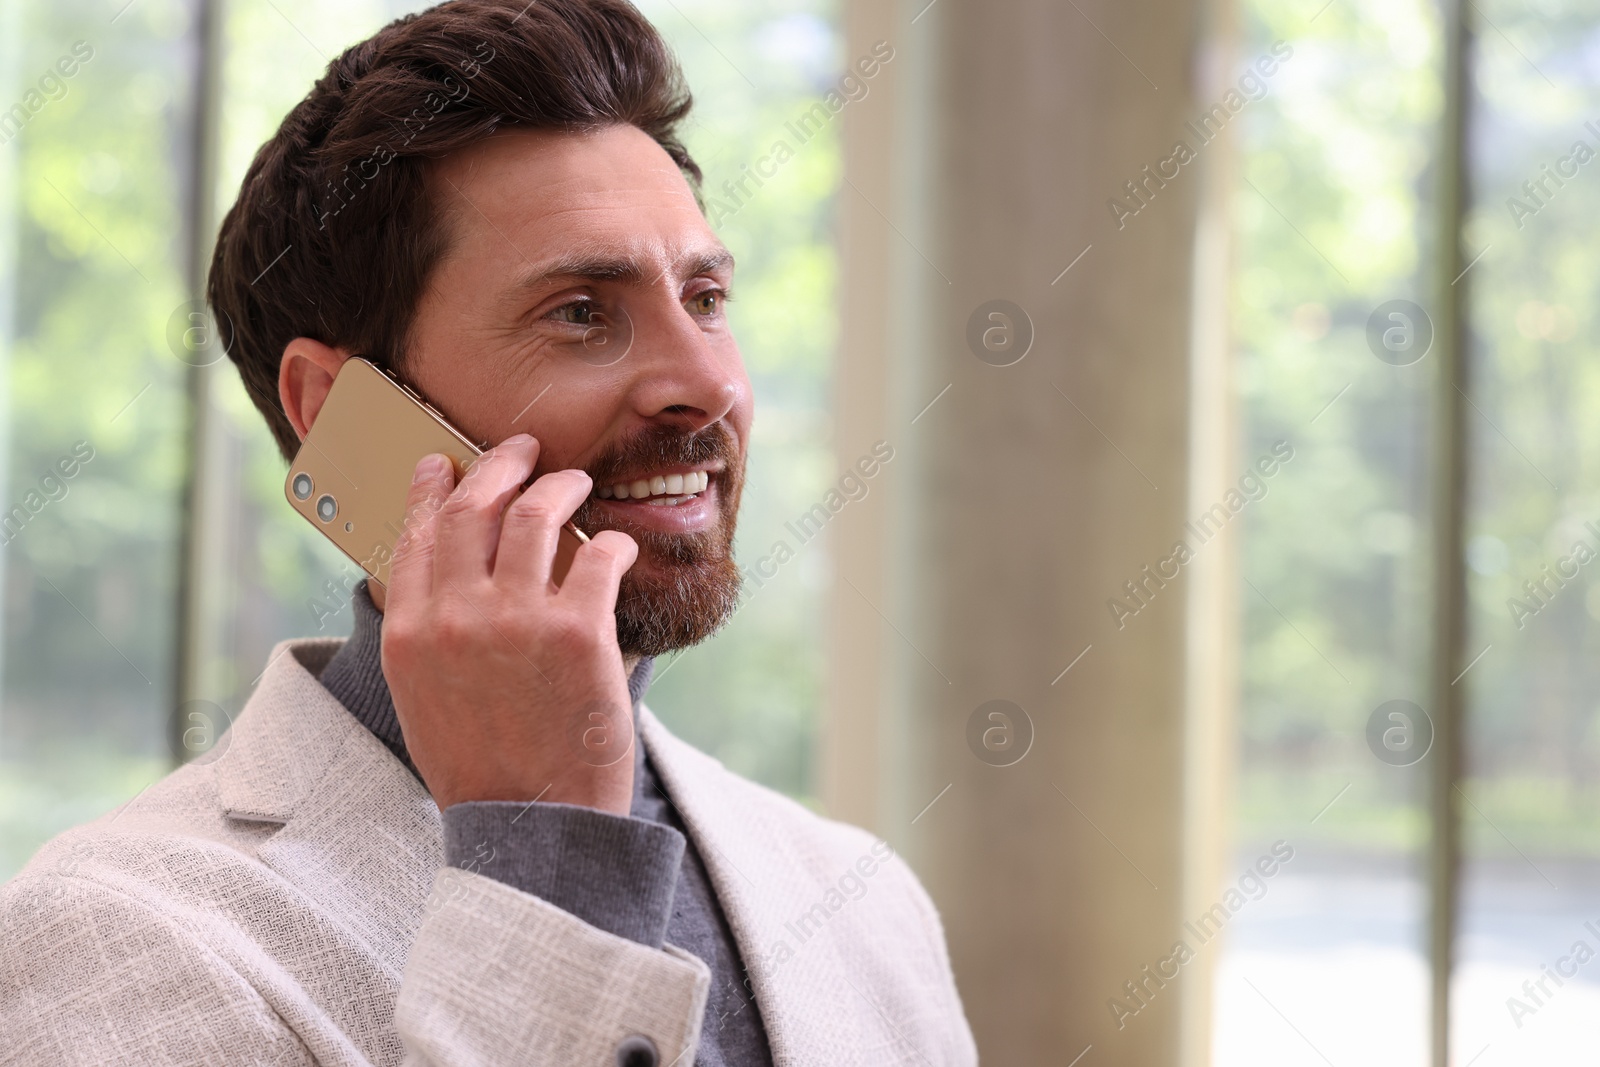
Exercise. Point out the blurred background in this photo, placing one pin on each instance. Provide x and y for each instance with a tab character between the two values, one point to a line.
1304	287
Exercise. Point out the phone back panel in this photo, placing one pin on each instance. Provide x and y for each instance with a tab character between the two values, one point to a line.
361	452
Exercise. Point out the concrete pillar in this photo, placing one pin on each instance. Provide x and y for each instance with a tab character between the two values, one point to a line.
1022	497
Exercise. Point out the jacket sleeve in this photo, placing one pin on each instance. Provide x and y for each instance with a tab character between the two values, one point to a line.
498	976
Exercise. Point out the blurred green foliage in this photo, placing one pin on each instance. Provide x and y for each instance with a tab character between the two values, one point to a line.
89	584
1332	217
1342	157
95	255
1534	755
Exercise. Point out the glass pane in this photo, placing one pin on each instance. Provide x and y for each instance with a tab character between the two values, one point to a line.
282	578
1332	223
91	224
1524	990
92	171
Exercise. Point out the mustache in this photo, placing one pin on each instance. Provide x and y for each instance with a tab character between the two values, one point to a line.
662	446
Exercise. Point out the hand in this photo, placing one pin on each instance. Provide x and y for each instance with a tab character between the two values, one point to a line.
506	687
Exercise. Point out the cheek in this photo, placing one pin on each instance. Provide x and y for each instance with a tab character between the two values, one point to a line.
572	432
493	392
574	411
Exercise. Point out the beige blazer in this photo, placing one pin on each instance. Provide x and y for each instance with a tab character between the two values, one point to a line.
282	900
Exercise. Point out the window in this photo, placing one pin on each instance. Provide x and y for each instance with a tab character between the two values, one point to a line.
95	194
1338	219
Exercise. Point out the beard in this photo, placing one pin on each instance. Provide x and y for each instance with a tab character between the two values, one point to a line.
683	587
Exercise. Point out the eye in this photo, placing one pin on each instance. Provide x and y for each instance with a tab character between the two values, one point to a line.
578	313
706	304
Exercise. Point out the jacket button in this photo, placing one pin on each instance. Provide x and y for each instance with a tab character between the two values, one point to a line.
637	1051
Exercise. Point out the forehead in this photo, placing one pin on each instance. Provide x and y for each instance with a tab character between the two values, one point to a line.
522	195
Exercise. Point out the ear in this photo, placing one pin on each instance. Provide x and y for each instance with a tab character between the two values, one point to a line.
305	375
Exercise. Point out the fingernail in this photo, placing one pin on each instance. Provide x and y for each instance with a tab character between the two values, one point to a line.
430	467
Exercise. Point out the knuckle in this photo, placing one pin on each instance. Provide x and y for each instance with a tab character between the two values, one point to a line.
424	504
609	551
414	542
534	510
465	503
604	554
568	630
421	491
399	639
507	618
451	632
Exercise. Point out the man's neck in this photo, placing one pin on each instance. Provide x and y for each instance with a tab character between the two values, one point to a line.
379	595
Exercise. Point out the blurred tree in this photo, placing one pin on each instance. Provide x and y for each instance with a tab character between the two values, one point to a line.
89	582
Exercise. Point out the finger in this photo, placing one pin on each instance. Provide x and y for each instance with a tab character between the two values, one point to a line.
532	527
411	566
469	526
597	569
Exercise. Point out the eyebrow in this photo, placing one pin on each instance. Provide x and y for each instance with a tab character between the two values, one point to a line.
610	267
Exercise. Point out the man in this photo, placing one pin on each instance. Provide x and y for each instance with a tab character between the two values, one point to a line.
457	837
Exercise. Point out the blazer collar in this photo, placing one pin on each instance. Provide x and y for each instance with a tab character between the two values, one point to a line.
288	735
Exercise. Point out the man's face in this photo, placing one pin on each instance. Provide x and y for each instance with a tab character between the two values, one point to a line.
580	300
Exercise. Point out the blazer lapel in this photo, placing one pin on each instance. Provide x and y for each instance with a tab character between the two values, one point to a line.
814	1008
361	835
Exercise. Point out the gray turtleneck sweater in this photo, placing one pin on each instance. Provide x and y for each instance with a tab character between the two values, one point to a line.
637	876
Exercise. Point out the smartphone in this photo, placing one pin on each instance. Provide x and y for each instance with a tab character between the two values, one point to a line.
352	474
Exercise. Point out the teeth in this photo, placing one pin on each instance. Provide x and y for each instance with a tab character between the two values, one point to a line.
667	489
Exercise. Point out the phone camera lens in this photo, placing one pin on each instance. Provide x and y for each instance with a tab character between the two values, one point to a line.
327	507
302	486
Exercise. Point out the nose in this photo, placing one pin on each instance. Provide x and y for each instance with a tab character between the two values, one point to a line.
689	377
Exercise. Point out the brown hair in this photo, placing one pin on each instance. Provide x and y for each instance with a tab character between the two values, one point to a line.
334	233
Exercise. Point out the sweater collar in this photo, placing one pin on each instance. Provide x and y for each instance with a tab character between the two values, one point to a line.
355	676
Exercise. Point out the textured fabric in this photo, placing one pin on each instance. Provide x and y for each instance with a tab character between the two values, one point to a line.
284	900
355	675
611	872
616	873
464	972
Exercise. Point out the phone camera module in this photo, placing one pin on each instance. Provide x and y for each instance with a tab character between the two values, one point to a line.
302	486
327	507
